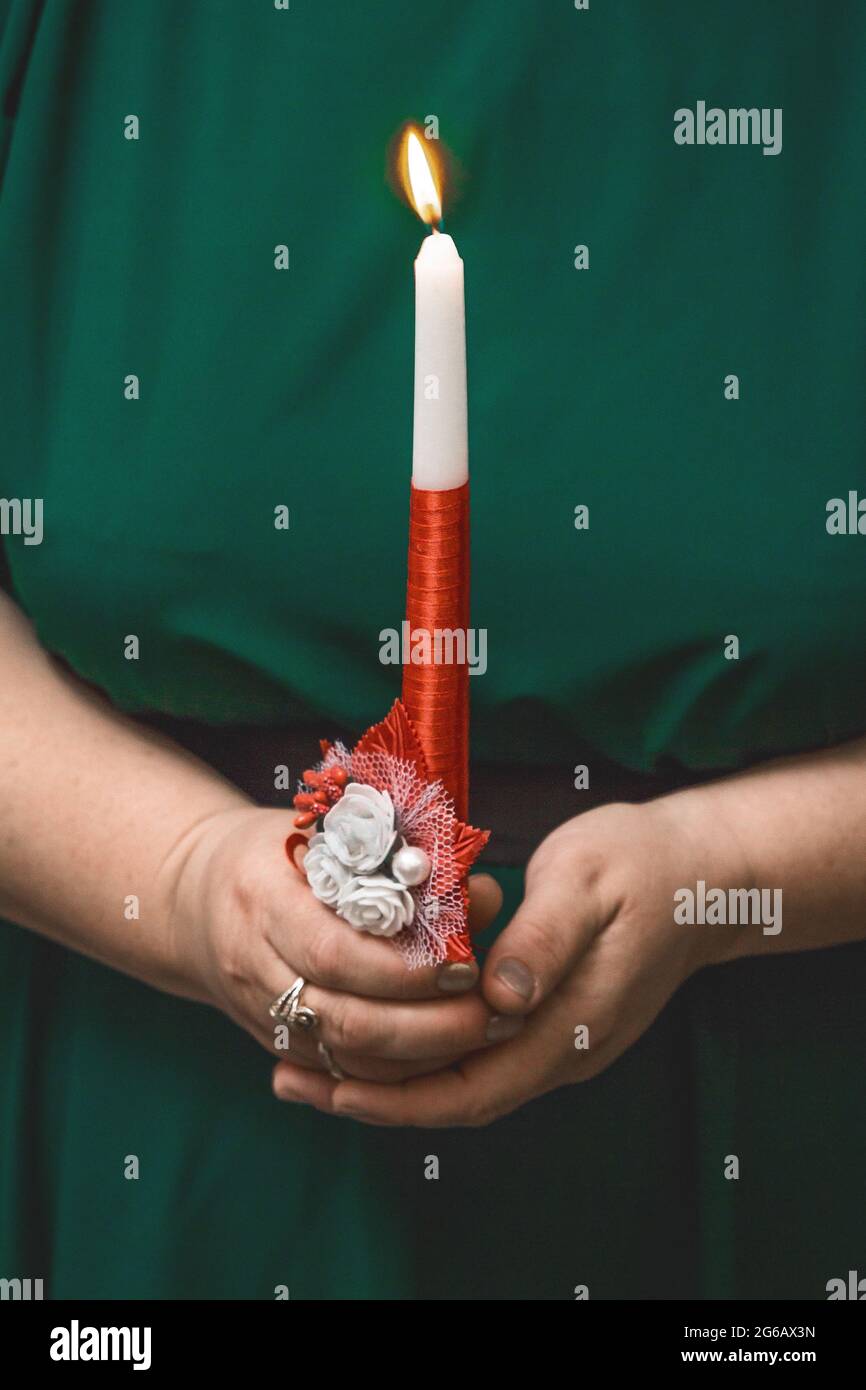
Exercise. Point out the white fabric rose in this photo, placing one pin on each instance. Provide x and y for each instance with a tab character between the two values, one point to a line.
359	829
325	874
375	903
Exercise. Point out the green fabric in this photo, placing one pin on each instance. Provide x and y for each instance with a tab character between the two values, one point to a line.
602	387
260	387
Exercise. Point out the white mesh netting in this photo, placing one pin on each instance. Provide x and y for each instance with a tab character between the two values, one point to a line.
425	816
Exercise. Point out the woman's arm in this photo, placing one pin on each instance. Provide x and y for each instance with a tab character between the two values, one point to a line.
95	810
617	914
799	824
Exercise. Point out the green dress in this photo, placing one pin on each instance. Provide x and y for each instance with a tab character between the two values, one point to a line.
603	387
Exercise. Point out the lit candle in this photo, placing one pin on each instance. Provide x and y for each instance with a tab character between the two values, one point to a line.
436	675
440	452
419	754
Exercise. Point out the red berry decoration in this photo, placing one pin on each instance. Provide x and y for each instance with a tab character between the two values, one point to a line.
328	786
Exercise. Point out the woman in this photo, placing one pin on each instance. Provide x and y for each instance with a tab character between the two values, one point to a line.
166	650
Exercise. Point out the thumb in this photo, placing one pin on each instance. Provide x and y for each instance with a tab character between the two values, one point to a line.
543	940
485	900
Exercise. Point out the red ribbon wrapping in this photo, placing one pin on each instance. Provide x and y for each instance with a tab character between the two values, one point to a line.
436	693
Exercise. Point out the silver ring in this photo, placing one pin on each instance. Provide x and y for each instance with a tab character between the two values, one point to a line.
287	1007
333	1067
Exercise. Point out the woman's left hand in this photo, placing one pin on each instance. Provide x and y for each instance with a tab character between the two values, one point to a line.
592	955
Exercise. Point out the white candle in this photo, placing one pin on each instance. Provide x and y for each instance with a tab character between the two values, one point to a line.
440	455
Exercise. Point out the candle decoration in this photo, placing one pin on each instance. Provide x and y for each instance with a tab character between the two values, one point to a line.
392	847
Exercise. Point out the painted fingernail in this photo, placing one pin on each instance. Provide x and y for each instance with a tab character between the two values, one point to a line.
516	976
503	1026
457	977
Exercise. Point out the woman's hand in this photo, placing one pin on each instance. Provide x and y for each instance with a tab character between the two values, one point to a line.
221	916
591	956
246	926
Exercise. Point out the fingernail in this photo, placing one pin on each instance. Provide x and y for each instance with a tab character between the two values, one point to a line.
457	977
503	1026
516	976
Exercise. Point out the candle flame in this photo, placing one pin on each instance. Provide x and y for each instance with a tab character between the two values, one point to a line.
421	176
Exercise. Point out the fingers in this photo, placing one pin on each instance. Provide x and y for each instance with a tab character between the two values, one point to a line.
327	951
316	1089
473	1093
372	1037
262	983
280	1042
357	1068
545	937
485	900
415	1031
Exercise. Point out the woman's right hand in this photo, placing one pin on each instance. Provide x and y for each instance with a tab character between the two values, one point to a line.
245	925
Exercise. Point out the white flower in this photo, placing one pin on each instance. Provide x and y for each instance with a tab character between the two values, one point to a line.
325	873
375	903
359	829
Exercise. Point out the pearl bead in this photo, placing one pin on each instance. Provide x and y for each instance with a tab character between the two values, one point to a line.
411	866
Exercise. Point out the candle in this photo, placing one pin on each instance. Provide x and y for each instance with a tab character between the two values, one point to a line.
436	675
414	764
440	444
440	451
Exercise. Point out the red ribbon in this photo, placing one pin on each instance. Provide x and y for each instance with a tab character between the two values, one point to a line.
436	693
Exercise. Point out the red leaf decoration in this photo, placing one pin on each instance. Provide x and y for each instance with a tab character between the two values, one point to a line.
395	735
468	844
